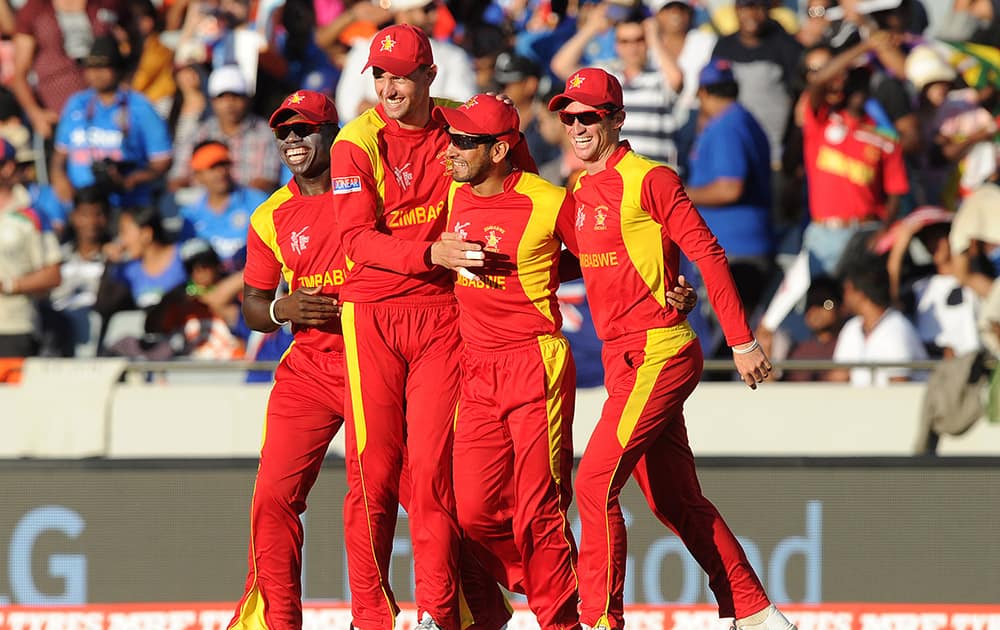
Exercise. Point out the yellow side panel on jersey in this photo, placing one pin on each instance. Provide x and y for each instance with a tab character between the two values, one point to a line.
640	233
363	132
262	222
538	249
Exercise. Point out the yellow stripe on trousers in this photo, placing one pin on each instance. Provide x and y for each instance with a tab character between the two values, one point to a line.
662	344
360	428
555	357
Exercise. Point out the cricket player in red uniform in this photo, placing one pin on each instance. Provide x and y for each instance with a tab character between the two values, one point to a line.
513	456
292	236
513	431
390	188
631	217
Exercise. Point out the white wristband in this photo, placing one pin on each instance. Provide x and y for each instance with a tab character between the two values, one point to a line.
746	350
274	318
7	286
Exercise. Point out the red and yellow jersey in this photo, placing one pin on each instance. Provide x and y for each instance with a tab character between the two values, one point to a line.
514	298
390	187
632	219
293	235
851	166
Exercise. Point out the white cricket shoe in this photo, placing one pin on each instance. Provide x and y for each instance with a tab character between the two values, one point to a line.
427	623
774	621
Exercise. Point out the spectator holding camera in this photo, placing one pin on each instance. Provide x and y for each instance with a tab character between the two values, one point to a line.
109	136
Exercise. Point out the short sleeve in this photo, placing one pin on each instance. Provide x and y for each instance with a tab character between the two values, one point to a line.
262	271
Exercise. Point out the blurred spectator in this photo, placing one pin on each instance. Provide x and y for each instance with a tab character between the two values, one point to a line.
724	18
484	43
730	181
975	21
956	131
877	333
82	268
109	136
256	162
52	38
221	214
143	264
765	58
975	238
886	47
593	42
307	65
944	311
692	48
455	78
856	173
824	318
650	88
195	317
12	129
519	78
29	261
189	107
154	73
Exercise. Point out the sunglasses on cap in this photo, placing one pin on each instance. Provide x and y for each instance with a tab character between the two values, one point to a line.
591	117
301	129
465	142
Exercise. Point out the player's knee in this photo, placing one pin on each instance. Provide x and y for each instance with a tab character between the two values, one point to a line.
283	492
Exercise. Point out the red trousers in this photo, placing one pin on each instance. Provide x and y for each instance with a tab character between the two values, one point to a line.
304	412
641	432
513	465
402	375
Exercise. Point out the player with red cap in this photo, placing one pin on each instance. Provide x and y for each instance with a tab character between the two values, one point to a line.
292	237
513	455
390	188
632	218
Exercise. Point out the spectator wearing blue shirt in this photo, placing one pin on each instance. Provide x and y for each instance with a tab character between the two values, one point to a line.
144	267
222	212
730	181
109	135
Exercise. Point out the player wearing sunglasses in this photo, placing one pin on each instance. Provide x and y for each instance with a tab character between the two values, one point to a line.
632	218
291	237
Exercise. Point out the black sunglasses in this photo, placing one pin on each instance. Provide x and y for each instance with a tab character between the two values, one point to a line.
281	132
586	118
465	142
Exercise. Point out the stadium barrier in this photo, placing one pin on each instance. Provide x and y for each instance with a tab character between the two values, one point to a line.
112	408
869	530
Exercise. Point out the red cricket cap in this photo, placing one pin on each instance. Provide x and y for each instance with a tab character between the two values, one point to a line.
590	86
314	107
400	49
482	115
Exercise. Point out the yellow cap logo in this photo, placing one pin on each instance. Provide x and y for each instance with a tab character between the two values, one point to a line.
387	44
576	81
295	99
472	102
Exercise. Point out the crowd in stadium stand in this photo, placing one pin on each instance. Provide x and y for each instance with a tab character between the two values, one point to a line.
845	155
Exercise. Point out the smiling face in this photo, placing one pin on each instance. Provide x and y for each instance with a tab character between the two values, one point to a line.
307	155
595	142
469	165
405	98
